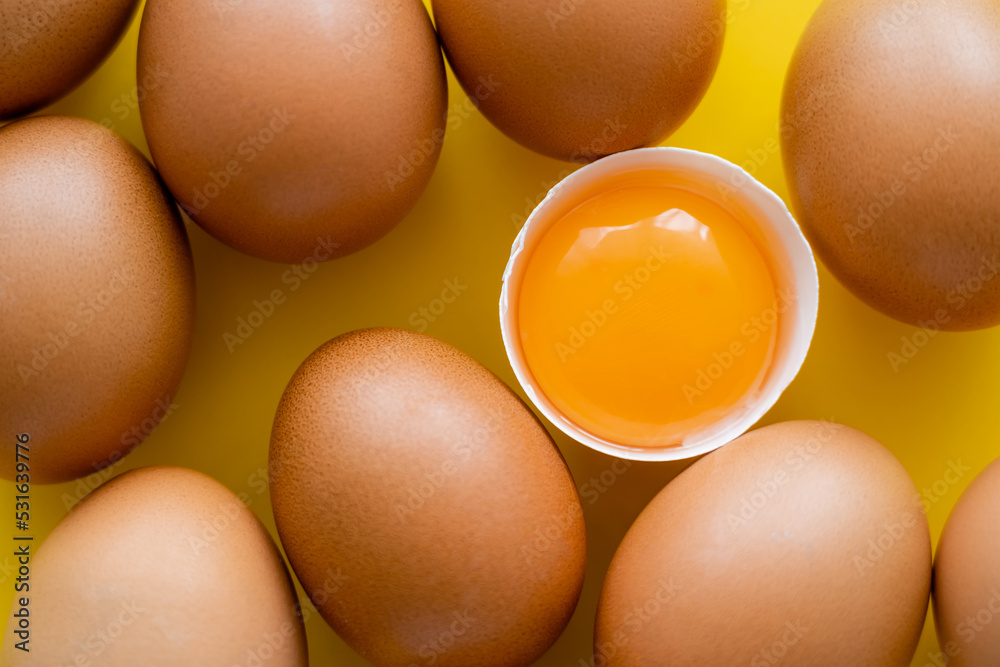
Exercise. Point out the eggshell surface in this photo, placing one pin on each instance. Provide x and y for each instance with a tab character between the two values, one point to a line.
160	567
891	132
417	482
48	47
293	129
801	541
96	296
580	80
967	575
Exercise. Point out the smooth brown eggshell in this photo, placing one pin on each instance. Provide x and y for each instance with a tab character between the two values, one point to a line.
96	296
580	80
48	47
293	129
802	543
160	567
423	507
967	575
891	141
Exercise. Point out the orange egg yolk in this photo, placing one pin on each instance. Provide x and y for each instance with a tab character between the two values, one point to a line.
647	313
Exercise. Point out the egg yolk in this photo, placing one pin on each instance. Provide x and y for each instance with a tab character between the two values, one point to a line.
647	314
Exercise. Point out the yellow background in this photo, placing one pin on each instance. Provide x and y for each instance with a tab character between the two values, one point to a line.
939	407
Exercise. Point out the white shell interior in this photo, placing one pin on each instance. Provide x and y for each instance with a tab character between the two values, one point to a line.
775	228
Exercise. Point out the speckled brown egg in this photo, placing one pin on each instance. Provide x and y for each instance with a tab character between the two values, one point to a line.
160	567
967	575
802	543
891	139
424	508
47	47
96	296
578	80
295	129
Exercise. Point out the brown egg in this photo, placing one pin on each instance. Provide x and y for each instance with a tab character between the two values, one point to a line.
293	129
159	567
48	47
802	543
96	296
579	80
891	135
423	507
967	576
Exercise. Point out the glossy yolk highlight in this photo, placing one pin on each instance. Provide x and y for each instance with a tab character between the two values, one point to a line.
646	314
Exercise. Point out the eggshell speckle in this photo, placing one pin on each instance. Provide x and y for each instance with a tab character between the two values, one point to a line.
160	567
967	575
421	486
580	80
96	296
891	133
293	129
48	47
804	540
